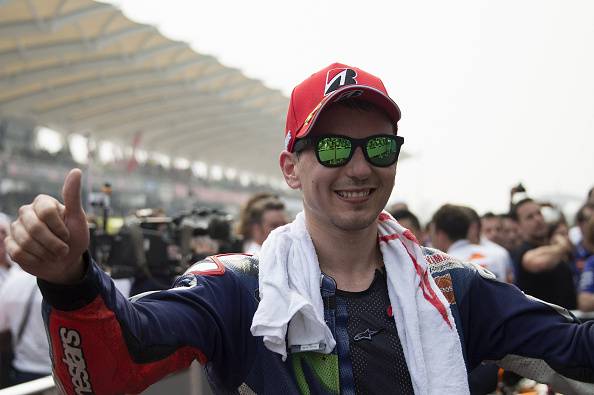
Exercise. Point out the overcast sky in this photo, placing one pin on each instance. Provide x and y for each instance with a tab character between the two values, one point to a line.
491	92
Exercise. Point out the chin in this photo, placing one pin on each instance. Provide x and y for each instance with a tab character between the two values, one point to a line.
355	222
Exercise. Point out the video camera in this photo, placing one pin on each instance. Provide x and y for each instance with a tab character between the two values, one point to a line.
162	247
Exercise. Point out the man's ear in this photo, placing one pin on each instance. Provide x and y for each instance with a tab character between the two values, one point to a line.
288	163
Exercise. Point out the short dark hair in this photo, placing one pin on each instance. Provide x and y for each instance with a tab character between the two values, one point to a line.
406	214
490	215
453	220
506	216
513	212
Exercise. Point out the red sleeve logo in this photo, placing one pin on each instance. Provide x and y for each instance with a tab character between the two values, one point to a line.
75	360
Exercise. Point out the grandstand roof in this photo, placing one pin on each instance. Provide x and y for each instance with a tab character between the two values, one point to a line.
80	66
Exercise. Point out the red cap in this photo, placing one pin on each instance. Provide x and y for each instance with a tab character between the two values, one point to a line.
331	84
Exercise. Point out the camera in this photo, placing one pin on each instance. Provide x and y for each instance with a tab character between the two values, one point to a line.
155	246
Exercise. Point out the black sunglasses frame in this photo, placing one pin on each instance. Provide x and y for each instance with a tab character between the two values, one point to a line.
303	143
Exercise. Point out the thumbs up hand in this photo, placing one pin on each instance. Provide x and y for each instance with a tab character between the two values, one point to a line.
48	238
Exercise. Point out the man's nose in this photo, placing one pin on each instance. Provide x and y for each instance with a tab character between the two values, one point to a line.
358	167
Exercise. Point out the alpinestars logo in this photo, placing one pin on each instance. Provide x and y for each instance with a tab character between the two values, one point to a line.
367	334
75	360
337	78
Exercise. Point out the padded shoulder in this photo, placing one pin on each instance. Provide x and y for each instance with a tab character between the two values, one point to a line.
242	266
440	262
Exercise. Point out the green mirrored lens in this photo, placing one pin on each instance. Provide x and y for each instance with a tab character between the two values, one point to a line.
381	150
334	151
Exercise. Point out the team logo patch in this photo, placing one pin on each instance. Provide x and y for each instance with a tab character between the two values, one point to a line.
337	78
445	285
208	267
484	272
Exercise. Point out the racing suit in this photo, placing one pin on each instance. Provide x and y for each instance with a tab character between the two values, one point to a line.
105	344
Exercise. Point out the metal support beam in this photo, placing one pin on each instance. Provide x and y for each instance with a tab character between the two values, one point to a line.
157	116
133	78
173	129
35	27
152	114
43	51
200	128
108	63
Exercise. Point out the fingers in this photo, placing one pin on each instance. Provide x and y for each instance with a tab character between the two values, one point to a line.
51	212
33	235
30	245
19	255
71	192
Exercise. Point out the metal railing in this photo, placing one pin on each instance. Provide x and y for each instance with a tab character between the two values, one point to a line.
191	381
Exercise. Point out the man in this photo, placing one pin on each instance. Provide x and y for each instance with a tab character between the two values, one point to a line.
5	263
20	313
583	215
261	214
494	252
410	221
542	265
510	234
450	229
586	295
491	227
343	299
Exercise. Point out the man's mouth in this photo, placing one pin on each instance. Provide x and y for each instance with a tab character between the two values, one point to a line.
355	194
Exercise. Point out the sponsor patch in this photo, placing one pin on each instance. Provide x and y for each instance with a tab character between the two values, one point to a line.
75	360
440	262
337	78
445	285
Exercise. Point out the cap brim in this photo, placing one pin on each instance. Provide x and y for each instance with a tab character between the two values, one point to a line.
368	94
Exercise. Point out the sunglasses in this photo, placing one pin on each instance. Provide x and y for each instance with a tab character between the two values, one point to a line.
380	150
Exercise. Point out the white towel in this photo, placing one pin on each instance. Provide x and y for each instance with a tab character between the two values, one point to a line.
291	302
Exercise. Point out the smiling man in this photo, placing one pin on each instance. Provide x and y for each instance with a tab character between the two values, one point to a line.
342	300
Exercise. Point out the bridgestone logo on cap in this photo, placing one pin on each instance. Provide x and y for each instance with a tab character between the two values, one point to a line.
337	78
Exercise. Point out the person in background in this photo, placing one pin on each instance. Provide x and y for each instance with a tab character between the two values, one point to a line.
510	233
450	229
575	233
20	312
261	214
494	252
582	217
410	221
586	294
492	227
542	264
5	262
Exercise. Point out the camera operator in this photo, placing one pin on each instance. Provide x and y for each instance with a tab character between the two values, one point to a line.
205	232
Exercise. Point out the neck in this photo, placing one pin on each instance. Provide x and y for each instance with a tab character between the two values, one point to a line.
349	257
537	241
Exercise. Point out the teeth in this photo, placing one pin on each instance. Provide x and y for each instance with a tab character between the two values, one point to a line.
350	194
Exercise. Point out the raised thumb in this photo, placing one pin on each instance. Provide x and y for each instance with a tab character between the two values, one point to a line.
71	192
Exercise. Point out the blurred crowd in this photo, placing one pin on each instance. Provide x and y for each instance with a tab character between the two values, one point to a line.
532	245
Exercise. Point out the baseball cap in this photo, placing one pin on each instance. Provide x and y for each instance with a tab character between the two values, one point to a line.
329	85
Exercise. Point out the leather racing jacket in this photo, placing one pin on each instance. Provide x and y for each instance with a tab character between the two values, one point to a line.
103	343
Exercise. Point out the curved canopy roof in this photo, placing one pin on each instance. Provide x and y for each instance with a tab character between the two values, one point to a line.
80	66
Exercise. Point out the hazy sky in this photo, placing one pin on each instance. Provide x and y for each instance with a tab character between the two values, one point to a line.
491	92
